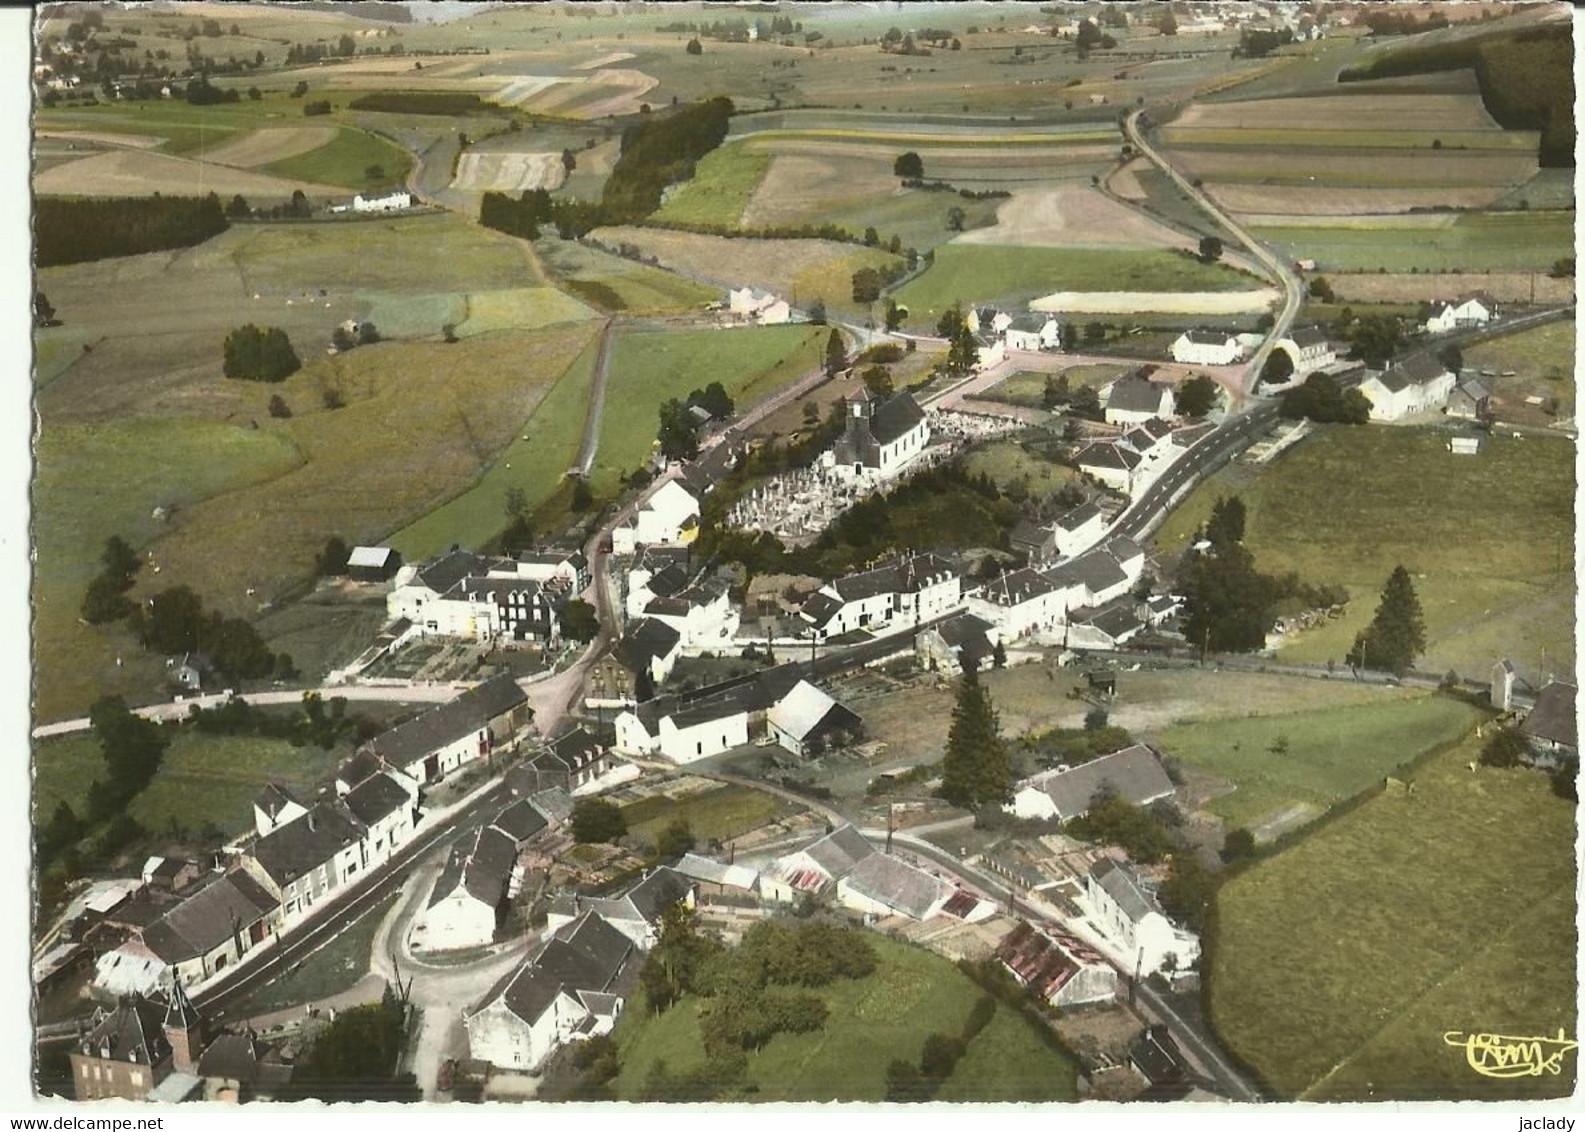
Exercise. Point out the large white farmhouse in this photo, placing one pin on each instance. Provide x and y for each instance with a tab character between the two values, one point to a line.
1134	774
1419	384
1205	348
1135	398
1126	911
1470	310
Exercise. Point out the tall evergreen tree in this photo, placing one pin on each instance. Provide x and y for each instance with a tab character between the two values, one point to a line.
836	352
1226	526
1396	635
978	767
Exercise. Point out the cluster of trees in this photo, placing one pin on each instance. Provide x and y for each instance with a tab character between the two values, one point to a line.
106	599
978	768
201	92
1075	745
344	339
1112	821
753	992
962	349
1526	79
1198	395
1321	399
869	282
444	102
317	108
658	151
1084	402
579	620
1229	605
907	1083
344	48
521	217
173	622
255	353
1396	634
321	723
1505	748
356	1057
1256	43
596	821
80	229
1090	36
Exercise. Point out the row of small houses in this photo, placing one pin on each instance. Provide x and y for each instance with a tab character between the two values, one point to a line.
302	853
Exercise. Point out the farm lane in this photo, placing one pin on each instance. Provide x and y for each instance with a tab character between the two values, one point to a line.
591	423
1292	285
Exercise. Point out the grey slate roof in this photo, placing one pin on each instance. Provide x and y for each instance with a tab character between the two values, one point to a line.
895	416
206	919
1122	884
587	955
1553	716
274	798
1203	337
1134	774
1418	369
449	569
376	798
1135	394
472	711
1016	587
645	641
1029	323
1080	515
838	851
130	1033
520	820
292	850
1094	569
1308	336
1108	454
821	607
896	884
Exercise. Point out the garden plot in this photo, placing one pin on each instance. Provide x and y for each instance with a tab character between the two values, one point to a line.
508	172
129	172
270	144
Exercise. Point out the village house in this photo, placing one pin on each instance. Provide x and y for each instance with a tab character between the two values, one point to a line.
1019	603
1201	347
1114	463
1416	385
657	571
1098	575
1032	332
636	913
683	734
468	595
1309	348
718	881
907	591
191	670
880	439
432	745
124	1054
465	905
389	202
759	307
1056	967
1079	529
1470	400
703	616
881	885
813	869
576	762
210	928
957	642
669	515
987	320
1134	774
1155	1056
1463	312
1551	727
808	720
1036	542
649	647
1107	626
274	806
568	569
567	990
989	350
1135	399
170	874
1126	911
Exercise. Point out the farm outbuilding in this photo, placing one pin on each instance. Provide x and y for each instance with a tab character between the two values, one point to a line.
373	563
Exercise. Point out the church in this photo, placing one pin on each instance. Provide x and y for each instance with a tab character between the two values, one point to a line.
882	437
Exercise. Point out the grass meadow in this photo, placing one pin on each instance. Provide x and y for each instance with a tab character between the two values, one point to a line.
979	274
719	189
1474	242
713	815
613	283
872	1021
649	367
1471	879
1331	755
1347	505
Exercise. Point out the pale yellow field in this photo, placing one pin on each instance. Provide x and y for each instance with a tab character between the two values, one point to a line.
127	172
508	172
270	144
1344	111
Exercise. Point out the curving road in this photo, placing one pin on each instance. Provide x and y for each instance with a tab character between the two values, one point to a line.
1281	270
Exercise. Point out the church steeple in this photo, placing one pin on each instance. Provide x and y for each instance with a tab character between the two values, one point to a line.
183	1029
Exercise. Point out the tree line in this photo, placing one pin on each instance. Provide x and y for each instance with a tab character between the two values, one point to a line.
81	229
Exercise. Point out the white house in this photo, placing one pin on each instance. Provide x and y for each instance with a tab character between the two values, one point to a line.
1079	529
1135	398
703	616
1309	348
1056	966
987	320
881	885
475	597
1098	575
637	912
1134	774
275	806
657	571
1417	385
881	439
1197	347
759	307
1113	463
1126	911
1019	603
432	745
670	515
390	202
650	645
464	906
682	734
807	719
906	591
989	351
1471	310
813	869
564	992
1033	332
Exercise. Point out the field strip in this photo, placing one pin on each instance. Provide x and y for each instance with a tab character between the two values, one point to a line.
1352	222
508	172
982	141
1408	1006
603	61
130	172
1156	302
270	144
1331	138
129	141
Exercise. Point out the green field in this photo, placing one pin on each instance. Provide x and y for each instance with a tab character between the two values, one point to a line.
346	161
978	274
1475	242
520	308
1020	474
1028	388
872	1021
1448	909
1347	505
916	217
719	189
92	481
649	367
613	283
1542	360
713	815
203	779
535	461
1299	140
1332	755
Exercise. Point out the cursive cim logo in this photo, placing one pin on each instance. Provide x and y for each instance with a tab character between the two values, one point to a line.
1504	1056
